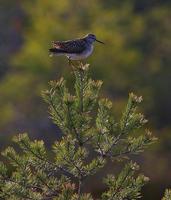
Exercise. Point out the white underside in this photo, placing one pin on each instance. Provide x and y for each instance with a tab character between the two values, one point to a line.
82	55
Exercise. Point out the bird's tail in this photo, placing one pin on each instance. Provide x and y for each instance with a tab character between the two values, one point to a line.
55	51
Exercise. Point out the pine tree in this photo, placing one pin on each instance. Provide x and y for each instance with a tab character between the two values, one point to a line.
167	195
91	137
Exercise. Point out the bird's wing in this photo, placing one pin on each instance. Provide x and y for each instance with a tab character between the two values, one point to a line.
70	46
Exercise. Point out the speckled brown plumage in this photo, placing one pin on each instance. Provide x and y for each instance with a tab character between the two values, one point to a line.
76	49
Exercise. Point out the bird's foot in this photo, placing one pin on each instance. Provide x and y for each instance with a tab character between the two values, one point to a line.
71	64
80	64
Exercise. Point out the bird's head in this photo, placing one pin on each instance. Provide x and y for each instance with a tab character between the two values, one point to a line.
92	38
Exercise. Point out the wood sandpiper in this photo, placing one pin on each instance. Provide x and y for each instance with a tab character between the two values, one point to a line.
77	49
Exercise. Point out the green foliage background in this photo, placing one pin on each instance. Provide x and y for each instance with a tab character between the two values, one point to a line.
136	58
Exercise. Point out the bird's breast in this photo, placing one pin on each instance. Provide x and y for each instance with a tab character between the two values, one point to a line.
84	54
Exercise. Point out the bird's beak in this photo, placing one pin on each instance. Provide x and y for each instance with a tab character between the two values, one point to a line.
100	41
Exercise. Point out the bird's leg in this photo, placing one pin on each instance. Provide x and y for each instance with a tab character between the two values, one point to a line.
69	61
80	63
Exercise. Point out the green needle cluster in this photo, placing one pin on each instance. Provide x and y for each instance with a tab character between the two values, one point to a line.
92	137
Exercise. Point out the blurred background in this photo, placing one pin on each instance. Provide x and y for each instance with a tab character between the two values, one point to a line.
136	57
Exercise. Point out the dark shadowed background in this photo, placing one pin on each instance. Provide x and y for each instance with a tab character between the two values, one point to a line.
136	57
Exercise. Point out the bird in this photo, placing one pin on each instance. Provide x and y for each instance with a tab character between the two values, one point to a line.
77	49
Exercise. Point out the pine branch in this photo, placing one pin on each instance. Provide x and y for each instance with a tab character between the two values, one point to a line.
167	195
125	186
89	128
